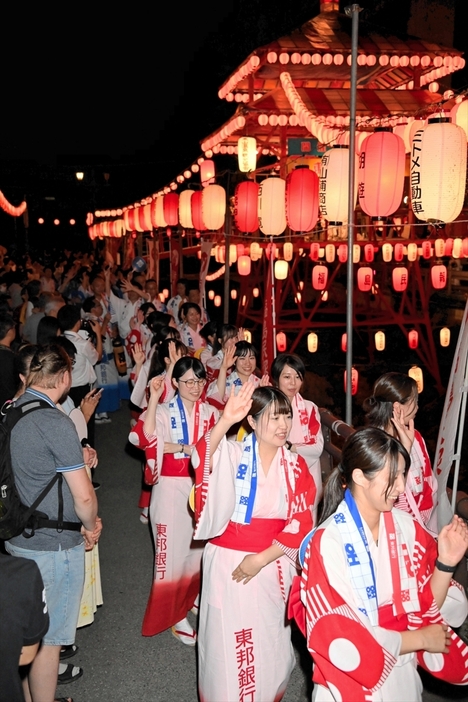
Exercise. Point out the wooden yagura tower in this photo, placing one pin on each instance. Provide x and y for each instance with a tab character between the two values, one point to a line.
297	89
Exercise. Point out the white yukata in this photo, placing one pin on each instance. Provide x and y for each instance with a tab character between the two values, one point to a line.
244	640
191	337
176	581
353	629
233	379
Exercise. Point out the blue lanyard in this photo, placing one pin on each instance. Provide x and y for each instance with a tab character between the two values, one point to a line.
253	482
183	420
350	501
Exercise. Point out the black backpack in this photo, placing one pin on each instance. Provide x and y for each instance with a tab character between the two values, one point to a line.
15	517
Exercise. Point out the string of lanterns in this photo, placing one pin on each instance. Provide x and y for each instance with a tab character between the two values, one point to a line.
11	209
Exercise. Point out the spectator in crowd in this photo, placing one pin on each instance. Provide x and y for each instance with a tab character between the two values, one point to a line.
29	332
48	329
8	375
47	281
175	302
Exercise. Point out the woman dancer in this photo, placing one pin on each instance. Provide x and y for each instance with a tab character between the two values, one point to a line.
253	501
243	356
168	433
392	407
190	312
305	437
374	581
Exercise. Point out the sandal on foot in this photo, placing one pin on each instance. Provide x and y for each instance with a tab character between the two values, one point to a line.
70	674
68	651
186	638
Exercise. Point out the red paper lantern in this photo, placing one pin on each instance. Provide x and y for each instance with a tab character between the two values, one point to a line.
129	219
314	251
439	277
139	220
400	279
244	265
196	206
207	173
426	249
354	381
343	253
448	249
465	248
381	173
369	252
399	252
171	209
281	342
413	339
319	277
344	342
302	188
365	278
246	207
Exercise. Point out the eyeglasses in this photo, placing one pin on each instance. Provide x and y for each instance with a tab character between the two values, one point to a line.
191	383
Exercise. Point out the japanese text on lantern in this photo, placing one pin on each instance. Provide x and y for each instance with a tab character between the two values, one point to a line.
245	665
323	185
161	547
416	191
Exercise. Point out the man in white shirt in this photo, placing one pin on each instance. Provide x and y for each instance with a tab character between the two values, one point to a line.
175	302
123	311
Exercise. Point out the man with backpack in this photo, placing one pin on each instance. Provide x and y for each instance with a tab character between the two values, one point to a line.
44	443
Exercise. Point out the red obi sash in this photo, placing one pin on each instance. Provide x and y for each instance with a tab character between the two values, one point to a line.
253	537
387	619
175	467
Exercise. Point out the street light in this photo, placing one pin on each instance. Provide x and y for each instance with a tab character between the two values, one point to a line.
79	175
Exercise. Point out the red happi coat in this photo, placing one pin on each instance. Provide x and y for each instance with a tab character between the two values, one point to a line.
336	633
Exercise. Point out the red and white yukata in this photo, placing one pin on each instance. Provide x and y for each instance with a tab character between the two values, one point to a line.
176	583
244	643
232	379
356	650
420	496
306	435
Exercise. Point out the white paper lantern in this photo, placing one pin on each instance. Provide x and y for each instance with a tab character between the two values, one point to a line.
214	206
185	209
272	206
333	186
247	154
438	171
281	270
312	342
159	212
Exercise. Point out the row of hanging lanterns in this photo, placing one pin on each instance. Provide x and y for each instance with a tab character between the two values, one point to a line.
379	340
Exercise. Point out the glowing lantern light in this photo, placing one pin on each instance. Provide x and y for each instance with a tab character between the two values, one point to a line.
356	253
412	252
344	342
244	265
217	301
247	333
445	336
426	249
240	250
40	220
171	209
314	251
256	251
255	292
312	342
213	206
365	277
459	115
319	277
387	252
369	252
379	340
457	248
281	270
399	251
197	211
439	277
72	221
158	215
438	176
246	207
288	251
334	181
413	339
465	248
400	279
343	253
439	247
211	294
354	381
207	173
281	342
145	218
416	373
302	190
381	173
448	248
247	154
272	206
234	294
56	222
324	295
330	252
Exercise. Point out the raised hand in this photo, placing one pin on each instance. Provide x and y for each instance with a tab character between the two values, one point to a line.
229	356
265	381
453	542
174	354
156	387
138	354
237	406
405	431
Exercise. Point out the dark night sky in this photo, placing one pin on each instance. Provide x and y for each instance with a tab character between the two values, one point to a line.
128	92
